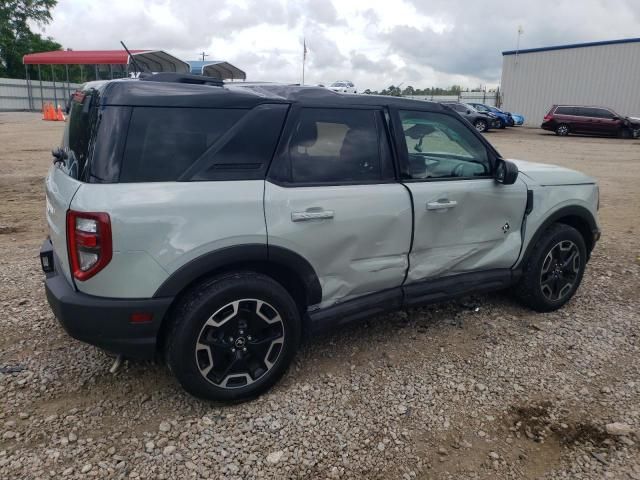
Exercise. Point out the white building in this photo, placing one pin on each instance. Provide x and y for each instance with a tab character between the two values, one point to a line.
597	73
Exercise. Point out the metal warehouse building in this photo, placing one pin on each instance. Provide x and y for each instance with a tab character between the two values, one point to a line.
597	73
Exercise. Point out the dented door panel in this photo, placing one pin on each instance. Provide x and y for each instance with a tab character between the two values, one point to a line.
481	229
357	237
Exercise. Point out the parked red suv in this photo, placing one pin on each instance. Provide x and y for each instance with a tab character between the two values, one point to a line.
565	119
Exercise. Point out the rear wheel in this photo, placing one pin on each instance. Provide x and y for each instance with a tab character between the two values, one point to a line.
233	337
481	125
554	270
562	130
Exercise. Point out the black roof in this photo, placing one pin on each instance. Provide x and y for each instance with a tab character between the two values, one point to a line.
239	95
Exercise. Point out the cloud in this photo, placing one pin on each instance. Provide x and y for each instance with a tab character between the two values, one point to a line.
371	42
360	61
477	33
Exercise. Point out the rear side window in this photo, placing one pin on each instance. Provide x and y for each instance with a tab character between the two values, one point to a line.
162	143
566	111
246	151
333	146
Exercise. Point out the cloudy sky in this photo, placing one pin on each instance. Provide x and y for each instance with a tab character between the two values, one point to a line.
374	43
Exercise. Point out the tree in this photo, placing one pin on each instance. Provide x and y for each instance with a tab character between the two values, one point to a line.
408	91
16	37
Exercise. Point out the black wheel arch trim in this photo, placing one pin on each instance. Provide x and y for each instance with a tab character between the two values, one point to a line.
239	255
575	211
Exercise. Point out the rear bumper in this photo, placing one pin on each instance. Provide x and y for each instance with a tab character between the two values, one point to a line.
548	126
105	322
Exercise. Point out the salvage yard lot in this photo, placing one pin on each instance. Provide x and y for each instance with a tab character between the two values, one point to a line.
480	388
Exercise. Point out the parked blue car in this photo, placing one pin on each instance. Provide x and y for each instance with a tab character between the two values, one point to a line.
505	118
517	119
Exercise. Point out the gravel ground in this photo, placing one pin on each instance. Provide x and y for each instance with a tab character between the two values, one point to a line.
478	389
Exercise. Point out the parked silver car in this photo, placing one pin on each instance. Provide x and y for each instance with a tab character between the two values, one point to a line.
215	226
343	86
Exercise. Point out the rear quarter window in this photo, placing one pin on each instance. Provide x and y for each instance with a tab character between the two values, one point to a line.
162	143
566	111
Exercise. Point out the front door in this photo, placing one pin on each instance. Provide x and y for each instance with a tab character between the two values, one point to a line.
464	220
331	196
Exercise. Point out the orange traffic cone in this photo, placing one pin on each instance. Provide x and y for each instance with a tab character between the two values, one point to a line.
52	112
47	112
59	114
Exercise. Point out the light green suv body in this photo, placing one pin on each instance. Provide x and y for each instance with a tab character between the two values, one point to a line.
350	205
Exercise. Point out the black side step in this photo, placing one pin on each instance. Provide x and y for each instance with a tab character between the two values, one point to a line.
446	288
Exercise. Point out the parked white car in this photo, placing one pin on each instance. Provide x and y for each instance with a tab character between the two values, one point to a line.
343	86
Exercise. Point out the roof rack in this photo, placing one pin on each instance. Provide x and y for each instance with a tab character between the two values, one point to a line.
182	78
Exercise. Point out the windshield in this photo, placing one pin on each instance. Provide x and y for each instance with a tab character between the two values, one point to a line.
338	84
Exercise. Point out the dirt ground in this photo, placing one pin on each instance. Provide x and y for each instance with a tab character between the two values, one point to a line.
480	388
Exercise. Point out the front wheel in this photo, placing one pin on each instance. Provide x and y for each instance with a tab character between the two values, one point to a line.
233	337
480	125
626	133
554	270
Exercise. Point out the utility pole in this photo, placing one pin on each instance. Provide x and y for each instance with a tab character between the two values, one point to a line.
304	56
520	32
204	54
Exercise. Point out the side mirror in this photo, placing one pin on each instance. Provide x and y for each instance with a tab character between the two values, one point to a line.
615	118
506	172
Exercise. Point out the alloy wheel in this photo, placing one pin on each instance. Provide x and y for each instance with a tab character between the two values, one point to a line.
560	270
562	130
239	343
481	126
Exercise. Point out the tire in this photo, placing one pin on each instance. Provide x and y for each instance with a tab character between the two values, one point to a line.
543	287
481	125
562	130
233	337
625	133
503	124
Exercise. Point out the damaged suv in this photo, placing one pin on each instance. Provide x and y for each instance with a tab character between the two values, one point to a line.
215	226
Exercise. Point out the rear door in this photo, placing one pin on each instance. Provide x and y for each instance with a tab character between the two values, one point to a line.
331	196
463	220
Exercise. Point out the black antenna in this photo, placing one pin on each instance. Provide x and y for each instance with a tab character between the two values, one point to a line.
133	60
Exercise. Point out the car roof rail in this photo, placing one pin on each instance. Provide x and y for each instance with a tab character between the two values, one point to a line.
182	78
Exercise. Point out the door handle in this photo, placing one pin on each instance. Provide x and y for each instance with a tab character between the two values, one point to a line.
311	214
442	204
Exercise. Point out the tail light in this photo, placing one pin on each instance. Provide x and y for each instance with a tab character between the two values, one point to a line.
547	117
89	243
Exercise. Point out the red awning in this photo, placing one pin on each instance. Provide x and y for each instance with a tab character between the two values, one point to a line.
76	57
